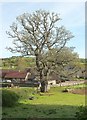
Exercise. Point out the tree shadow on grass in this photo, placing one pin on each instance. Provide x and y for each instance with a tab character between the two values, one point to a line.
39	112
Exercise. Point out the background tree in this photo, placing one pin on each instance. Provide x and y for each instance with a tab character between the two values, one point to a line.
68	62
64	64
36	33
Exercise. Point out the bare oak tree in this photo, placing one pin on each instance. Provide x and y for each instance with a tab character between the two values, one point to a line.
36	33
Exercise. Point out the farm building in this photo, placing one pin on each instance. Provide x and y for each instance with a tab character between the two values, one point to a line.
21	76
14	75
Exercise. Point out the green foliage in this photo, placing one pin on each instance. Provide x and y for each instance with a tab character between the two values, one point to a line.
24	62
82	113
83	60
23	92
18	63
64	64
9	98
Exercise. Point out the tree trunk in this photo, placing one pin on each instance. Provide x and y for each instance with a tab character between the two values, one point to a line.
43	82
44	86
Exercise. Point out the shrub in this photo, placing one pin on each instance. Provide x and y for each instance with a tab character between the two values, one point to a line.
82	113
9	98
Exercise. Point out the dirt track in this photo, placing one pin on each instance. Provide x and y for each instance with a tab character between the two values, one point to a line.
82	91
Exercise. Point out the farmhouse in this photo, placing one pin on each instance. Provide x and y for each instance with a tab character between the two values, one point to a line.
22	76
14	75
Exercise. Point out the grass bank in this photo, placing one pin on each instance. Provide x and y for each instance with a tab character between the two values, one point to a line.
54	104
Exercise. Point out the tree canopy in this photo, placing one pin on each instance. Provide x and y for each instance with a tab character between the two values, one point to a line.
34	33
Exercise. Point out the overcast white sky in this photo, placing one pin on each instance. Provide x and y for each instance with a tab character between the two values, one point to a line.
72	14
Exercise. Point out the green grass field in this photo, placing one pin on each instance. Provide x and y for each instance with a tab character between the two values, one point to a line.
54	104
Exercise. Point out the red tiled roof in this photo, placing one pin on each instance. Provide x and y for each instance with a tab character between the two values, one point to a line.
17	75
12	74
4	72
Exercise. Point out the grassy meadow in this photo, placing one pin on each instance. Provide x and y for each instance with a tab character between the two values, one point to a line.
54	104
